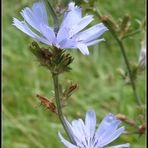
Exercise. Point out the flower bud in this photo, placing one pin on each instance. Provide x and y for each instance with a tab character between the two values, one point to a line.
120	117
142	129
47	103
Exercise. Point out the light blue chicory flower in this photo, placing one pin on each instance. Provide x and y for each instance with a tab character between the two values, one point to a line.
70	34
86	136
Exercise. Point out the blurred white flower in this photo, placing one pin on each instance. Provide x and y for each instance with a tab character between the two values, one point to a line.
142	56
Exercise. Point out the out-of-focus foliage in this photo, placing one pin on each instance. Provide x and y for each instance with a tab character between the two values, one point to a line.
101	87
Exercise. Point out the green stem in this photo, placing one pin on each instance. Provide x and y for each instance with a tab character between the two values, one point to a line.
59	107
53	14
124	56
127	63
128	68
131	34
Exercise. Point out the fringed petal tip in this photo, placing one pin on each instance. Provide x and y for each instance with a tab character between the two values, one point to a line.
14	21
110	117
71	6
91	113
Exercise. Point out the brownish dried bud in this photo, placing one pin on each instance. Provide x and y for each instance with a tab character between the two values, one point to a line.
125	23
142	128
72	88
105	18
46	53
125	119
130	122
47	103
121	117
109	22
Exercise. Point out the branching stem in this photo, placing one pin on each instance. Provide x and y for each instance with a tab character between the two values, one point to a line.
122	48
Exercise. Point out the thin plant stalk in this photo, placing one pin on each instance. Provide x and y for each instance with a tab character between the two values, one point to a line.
131	34
122	48
128	67
53	14
59	106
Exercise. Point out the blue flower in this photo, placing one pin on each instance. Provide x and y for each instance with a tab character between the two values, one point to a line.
86	136
70	34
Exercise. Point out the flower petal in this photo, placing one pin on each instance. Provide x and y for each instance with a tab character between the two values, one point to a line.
23	27
65	142
62	35
80	25
48	33
83	48
112	136
94	42
70	129
40	11
71	18
120	146
107	122
90	123
78	128
67	43
91	33
71	6
73	15
36	16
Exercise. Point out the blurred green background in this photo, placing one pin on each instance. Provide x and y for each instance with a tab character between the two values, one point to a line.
25	124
